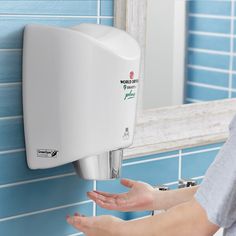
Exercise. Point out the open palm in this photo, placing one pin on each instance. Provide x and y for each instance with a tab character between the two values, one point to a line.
140	197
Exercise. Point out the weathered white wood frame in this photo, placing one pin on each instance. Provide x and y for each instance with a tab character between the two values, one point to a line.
130	15
171	128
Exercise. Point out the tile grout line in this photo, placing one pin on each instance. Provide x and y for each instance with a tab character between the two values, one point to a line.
12	151
193	100
206	68
171	156
11	118
211	86
199	177
11	49
211	16
10	84
150	160
98	11
171	183
76	234
94	204
44	211
231	63
55	16
36	180
211	34
180	165
208	51
200	151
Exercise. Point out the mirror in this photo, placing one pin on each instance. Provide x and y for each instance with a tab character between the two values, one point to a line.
188	49
165	53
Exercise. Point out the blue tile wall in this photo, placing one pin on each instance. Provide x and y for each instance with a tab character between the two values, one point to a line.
211	47
40	199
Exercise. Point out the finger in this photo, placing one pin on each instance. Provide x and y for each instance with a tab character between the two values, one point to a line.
105	193
94	196
111	206
79	222
121	202
108	206
111	203
127	182
69	220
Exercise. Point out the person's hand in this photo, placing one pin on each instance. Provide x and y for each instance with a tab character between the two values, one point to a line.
96	226
140	197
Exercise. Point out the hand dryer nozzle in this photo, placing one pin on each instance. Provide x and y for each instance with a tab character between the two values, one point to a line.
100	167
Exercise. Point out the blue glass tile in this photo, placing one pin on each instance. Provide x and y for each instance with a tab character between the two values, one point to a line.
234	63
234	45
208	77
209	42
42	195
234	27
209	146
188	101
173	186
19	171
134	215
234	95
210	7
153	156
11	33
208	60
205	94
234	82
66	7
199	181
123	215
11	134
45	224
108	22
107	7
194	165
119	214
10	100
10	66
156	172
209	25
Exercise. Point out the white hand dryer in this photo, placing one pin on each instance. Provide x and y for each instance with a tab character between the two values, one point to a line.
80	90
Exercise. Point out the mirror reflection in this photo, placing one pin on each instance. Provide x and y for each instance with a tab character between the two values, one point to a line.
190	52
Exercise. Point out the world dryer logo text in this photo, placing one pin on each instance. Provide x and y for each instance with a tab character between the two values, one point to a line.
130	86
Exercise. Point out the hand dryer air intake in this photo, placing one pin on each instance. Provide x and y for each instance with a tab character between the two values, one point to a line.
80	89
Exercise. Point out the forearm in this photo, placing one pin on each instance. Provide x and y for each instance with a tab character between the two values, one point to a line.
183	220
168	199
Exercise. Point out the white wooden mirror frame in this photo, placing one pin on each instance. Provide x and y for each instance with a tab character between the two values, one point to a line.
176	127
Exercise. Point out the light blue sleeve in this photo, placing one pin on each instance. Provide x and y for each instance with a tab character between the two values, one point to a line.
217	193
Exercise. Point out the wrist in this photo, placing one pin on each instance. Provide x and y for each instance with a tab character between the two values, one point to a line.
121	228
125	228
160	201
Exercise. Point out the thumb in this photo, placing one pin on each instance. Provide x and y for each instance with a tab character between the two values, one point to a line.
79	221
127	182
